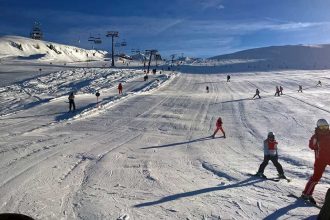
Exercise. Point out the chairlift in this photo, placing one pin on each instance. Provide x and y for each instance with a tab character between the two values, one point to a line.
91	38
123	44
117	44
36	32
97	40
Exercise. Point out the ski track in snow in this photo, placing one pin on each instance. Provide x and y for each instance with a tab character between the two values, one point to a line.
148	155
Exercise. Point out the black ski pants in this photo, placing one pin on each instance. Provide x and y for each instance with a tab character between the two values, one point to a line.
274	159
72	105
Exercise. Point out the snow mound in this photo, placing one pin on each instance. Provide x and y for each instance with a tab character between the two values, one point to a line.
22	48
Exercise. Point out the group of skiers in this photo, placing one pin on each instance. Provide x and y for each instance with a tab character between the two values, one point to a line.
72	105
279	90
319	142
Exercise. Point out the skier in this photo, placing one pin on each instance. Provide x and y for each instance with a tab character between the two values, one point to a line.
207	89
145	77
120	88
320	143
219	127
257	94
71	102
300	88
228	78
270	153
319	83
281	90
277	91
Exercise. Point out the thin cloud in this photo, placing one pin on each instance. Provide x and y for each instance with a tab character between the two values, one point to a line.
217	4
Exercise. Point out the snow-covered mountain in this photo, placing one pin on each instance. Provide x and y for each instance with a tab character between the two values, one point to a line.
16	47
276	57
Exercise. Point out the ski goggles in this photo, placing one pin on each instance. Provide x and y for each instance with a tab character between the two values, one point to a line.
324	127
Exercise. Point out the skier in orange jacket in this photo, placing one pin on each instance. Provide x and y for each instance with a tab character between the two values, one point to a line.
219	127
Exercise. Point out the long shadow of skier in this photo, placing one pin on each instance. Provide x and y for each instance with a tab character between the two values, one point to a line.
282	211
247	182
68	115
245	99
33	116
181	143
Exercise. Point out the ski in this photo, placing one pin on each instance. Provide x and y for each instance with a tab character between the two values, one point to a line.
287	179
265	177
276	179
306	201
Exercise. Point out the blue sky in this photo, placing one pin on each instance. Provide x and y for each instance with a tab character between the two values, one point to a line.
200	28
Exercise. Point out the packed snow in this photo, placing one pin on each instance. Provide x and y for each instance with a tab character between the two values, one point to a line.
147	154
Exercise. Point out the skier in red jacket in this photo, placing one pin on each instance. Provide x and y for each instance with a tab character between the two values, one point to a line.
120	88
219	127
320	143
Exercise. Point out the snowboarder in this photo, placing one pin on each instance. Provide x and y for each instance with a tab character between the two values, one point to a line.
320	143
228	78
71	102
300	88
319	83
281	90
270	153
207	89
219	127
257	94
277	93
120	88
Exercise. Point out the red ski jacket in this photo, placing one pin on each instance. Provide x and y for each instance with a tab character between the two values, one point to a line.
320	143
219	123
270	147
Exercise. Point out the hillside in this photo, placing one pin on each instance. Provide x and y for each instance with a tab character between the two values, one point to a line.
277	57
22	48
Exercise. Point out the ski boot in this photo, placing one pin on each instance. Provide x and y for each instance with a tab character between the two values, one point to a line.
308	198
281	176
261	175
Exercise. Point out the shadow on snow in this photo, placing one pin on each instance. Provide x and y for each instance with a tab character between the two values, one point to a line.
247	182
181	143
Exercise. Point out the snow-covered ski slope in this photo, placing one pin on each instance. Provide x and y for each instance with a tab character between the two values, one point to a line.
147	154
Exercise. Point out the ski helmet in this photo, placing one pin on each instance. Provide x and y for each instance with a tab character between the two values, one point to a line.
322	122
271	134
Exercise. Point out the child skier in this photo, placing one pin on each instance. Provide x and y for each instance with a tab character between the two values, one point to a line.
120	88
320	143
270	153
207	89
277	93
281	90
219	127
257	94
300	88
